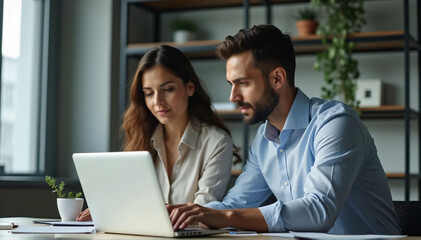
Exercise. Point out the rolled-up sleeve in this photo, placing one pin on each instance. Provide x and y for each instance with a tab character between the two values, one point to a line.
272	215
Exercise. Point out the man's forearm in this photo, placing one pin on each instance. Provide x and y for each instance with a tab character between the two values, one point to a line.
246	219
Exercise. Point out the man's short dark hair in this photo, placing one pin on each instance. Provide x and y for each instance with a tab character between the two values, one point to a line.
270	49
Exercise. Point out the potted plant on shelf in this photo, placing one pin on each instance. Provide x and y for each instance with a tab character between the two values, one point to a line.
69	205
183	30
306	22
339	67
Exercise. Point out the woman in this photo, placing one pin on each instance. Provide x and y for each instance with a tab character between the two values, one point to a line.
170	116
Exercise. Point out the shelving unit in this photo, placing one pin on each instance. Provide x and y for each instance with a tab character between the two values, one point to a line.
365	42
384	41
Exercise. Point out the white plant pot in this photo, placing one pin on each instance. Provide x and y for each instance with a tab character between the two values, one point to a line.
181	36
69	209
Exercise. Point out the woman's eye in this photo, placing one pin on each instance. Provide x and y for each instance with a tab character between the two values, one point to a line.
170	89
147	94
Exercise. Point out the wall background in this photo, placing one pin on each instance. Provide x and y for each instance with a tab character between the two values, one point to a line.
88	120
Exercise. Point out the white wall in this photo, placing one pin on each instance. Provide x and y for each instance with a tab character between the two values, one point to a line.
85	79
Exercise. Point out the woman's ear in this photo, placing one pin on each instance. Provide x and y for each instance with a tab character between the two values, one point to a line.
190	89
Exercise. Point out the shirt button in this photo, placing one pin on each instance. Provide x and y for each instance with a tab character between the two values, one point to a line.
281	150
286	183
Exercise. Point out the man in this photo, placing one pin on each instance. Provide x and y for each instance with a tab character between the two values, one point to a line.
314	155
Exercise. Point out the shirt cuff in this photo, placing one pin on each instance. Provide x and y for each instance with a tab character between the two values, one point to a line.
272	215
216	205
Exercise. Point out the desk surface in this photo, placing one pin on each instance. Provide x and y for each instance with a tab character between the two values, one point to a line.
5	234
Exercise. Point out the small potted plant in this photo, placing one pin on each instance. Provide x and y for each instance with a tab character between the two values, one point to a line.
184	30
69	205
306	22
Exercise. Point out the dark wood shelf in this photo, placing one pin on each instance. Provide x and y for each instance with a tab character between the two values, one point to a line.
236	172
398	176
193	49
365	42
182	5
382	112
389	111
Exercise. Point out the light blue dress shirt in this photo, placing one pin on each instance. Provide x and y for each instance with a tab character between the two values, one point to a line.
323	170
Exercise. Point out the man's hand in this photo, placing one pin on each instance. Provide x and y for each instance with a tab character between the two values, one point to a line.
84	216
247	219
184	214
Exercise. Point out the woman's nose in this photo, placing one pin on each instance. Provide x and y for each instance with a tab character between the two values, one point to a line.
159	99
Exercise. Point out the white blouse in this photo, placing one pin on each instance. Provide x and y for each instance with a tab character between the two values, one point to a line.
203	168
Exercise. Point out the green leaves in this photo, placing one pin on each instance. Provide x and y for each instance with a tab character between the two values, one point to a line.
340	69
183	24
59	190
306	13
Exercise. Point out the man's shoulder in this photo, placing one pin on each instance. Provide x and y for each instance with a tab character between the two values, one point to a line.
327	109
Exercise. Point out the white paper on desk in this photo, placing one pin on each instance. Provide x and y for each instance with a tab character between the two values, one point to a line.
241	233
315	235
52	229
284	234
70	223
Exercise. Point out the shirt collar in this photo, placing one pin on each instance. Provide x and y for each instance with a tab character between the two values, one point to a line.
189	138
191	134
297	117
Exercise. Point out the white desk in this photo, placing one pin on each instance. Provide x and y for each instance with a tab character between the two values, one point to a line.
5	234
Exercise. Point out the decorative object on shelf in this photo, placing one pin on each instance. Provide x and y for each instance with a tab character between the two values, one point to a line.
184	30
69	205
306	22
369	92
340	69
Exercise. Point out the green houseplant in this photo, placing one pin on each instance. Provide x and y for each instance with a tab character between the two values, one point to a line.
183	29
306	14
59	189
306	21
339	67
69	205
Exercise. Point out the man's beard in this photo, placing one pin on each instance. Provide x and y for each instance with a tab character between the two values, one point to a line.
263	107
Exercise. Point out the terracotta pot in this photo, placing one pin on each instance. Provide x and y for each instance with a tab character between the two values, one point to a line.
306	27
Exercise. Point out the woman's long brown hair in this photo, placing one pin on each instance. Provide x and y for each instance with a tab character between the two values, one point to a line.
139	123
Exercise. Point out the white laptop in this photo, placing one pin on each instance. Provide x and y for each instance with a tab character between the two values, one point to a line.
124	196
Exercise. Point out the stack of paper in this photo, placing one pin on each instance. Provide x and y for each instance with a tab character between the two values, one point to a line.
52	229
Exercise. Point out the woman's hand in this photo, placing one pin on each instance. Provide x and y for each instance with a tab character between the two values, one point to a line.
84	216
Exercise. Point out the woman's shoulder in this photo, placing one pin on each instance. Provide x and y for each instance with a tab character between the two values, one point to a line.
213	132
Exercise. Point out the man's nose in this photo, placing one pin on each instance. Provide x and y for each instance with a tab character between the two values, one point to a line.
235	96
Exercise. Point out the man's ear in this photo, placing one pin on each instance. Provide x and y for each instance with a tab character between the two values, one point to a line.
190	89
279	77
